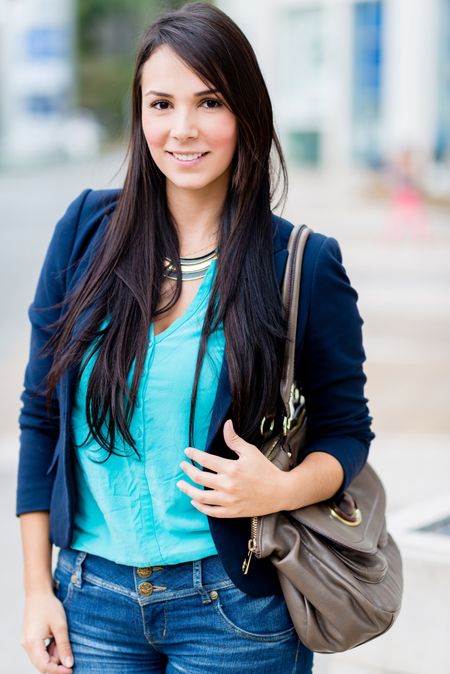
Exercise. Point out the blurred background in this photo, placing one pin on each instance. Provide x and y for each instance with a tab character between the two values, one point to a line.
361	96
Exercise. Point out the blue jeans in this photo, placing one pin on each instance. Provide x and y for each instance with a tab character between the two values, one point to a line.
187	617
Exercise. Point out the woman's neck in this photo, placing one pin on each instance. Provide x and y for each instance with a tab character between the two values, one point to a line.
197	217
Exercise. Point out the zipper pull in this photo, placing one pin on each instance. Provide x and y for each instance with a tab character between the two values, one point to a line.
246	562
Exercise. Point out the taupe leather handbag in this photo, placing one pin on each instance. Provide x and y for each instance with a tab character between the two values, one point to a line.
339	569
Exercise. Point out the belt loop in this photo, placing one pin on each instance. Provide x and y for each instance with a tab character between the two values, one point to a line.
197	580
76	576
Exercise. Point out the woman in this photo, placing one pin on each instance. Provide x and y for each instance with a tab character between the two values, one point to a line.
154	302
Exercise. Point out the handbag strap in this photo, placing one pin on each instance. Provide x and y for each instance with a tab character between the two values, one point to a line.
290	298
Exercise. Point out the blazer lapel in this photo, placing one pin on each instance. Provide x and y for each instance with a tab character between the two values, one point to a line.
222	400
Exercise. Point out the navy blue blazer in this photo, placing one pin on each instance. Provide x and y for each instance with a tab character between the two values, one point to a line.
329	360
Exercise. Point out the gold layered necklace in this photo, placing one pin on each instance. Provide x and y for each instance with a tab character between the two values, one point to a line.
192	268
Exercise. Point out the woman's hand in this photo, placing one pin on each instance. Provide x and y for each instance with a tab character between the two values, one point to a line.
248	486
45	617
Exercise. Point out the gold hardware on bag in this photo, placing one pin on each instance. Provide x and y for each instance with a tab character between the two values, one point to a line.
354	522
263	421
251	549
294	400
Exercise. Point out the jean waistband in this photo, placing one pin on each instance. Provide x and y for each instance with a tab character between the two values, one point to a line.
148	584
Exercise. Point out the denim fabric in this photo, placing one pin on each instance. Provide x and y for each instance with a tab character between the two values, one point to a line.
187	617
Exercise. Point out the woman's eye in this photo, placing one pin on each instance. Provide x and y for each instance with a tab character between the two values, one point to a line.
155	103
217	104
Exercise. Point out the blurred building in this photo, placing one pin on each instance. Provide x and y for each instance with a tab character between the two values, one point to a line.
36	77
354	81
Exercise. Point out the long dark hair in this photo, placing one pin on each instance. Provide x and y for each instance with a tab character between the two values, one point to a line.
124	279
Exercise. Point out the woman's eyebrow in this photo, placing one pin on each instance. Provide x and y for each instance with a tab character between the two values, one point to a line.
200	93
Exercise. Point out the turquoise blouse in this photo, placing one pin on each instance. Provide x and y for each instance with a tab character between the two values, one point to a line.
129	510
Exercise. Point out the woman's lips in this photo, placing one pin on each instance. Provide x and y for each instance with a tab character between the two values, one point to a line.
188	162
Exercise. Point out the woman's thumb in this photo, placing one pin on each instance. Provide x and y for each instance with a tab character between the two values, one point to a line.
233	440
63	646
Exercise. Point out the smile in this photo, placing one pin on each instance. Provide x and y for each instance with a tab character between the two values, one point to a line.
188	158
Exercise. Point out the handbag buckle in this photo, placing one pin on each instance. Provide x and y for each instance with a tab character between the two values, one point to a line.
271	427
294	400
346	511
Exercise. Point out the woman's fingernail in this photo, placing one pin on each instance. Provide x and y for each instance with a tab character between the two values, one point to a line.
68	661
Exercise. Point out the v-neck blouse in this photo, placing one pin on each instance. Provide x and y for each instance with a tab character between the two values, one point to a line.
129	510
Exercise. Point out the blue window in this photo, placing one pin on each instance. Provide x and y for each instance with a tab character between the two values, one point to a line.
367	79
47	43
41	105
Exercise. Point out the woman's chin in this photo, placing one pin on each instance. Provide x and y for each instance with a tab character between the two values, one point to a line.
188	184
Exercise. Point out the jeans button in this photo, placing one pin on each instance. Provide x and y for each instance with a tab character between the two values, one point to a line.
145	588
144	571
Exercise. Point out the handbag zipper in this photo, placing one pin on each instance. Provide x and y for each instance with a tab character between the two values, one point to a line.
251	545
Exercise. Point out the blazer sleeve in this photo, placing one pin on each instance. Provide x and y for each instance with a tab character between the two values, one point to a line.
332	375
39	427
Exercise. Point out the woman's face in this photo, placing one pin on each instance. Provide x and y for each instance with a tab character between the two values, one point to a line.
190	133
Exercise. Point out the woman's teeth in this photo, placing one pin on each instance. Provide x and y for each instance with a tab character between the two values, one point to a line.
188	157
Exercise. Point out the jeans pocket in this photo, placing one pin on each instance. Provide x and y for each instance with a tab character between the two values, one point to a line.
259	618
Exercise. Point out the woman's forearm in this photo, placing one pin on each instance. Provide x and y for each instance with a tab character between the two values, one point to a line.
316	478
37	552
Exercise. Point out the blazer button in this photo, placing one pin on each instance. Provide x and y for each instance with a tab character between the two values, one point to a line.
144	572
145	588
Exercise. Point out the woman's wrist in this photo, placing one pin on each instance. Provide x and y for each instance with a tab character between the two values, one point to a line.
39	587
292	494
316	479
37	553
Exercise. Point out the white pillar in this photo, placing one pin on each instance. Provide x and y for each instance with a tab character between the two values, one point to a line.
255	19
337	110
410	72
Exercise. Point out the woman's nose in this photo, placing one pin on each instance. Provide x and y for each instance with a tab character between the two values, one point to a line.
184	127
